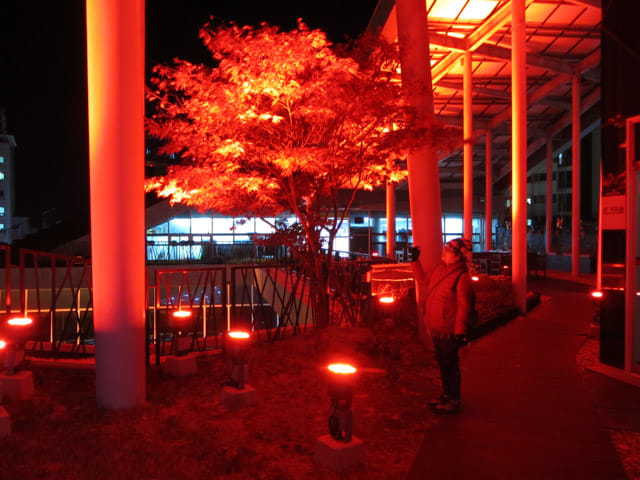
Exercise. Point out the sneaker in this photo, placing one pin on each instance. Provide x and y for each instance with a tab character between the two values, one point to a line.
442	399
450	406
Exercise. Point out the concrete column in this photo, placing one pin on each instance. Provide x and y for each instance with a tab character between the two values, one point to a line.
575	176
488	192
631	333
115	67
549	202
519	156
391	219
424	179
467	146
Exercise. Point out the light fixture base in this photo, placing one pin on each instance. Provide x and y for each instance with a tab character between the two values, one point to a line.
18	386
5	423
338	455
234	398
181	366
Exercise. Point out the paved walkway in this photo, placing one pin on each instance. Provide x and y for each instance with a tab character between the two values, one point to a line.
527	412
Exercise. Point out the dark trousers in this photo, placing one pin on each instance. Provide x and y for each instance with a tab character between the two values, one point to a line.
446	349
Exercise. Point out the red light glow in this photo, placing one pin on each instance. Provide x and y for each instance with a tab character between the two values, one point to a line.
597	294
239	335
3	344
375	254
20	322
182	314
475	278
387	299
342	368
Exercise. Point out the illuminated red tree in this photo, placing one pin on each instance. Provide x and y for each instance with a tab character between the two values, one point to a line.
281	122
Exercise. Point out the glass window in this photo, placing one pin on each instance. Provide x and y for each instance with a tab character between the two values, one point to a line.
1	210
223	230
244	225
1	175
264	227
1	159
201	225
359	221
180	225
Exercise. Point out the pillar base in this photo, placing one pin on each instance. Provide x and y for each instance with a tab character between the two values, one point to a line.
594	330
337	455
5	423
233	398
18	386
181	366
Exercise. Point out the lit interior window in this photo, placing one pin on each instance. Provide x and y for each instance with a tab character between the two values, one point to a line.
1	175
1	210
1	159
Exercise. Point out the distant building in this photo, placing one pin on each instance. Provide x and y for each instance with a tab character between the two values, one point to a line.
7	192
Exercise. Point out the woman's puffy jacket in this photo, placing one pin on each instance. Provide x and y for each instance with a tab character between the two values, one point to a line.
447	297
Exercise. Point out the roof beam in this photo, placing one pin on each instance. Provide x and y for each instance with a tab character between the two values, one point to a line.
536	96
535	60
585	104
489	92
588	3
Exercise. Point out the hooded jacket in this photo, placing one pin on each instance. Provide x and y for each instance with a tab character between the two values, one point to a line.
447	312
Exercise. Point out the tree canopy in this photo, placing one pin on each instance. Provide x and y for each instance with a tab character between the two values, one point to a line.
280	121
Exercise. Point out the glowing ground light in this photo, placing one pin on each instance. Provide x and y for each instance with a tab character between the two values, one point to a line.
20	322
182	314
239	335
597	294
387	299
3	344
342	368
475	278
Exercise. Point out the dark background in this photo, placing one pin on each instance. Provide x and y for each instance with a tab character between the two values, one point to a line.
43	83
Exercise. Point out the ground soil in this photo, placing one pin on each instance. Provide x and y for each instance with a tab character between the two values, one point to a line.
184	432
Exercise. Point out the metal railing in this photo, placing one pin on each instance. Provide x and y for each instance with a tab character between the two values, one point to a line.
270	300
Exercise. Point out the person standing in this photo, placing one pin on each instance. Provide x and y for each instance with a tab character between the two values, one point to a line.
447	310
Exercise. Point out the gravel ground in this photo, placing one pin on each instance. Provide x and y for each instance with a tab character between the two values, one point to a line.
626	442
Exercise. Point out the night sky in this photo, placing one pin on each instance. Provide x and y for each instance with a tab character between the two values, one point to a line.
43	80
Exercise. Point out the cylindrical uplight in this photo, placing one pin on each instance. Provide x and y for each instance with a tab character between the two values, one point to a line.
341	381
19	329
182	343
597	297
237	345
20	321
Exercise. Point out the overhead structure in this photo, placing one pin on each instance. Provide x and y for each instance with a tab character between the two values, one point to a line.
562	42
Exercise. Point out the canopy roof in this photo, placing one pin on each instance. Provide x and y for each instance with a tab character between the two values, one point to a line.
562	40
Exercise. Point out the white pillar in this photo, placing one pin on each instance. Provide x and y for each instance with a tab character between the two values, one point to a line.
631	334
391	219
519	156
115	67
488	193
467	146
549	203
424	179
575	176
